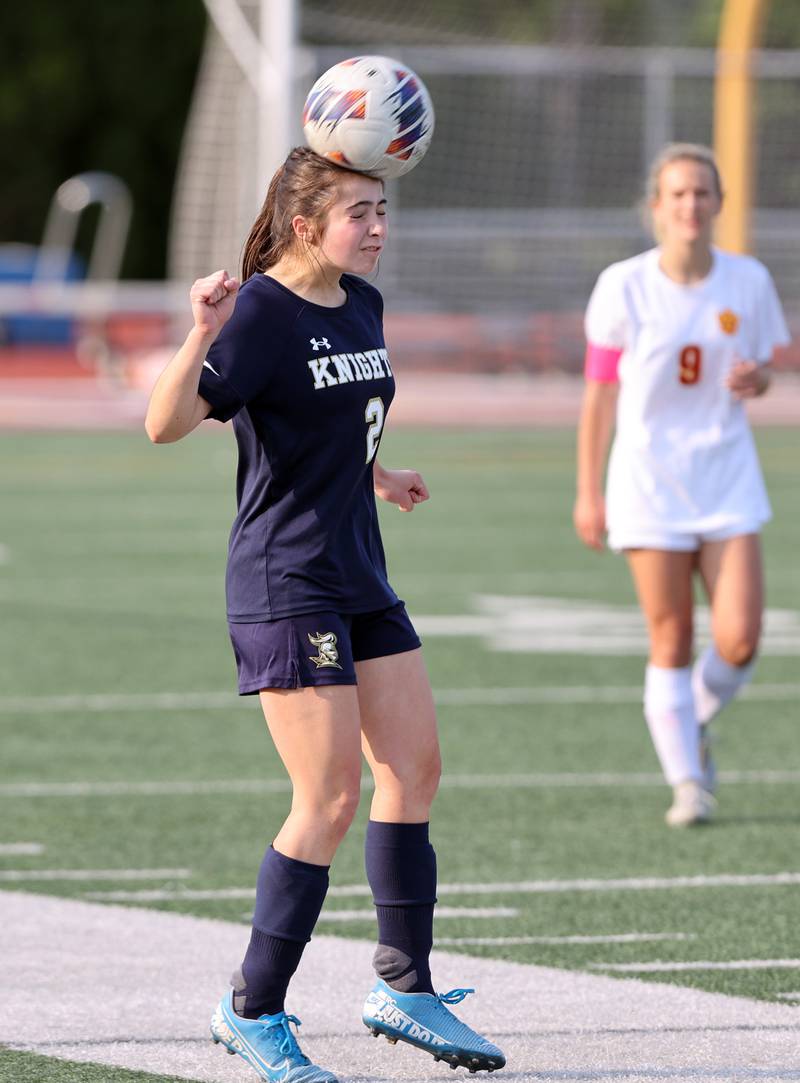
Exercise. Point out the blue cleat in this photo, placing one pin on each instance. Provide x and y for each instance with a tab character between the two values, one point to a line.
423	1020
267	1044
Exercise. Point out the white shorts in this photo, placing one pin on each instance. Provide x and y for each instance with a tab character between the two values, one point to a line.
677	542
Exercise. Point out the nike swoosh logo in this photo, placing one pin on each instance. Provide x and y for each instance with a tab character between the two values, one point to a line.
211	367
276	1068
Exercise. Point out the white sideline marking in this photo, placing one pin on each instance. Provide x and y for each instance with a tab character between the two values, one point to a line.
449	697
24	875
107	1002
541	780
739	964
17	849
612	938
523	887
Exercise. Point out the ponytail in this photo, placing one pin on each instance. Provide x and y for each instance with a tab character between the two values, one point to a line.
305	184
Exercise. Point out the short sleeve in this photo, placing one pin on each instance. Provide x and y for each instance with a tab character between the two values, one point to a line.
242	358
770	324
605	322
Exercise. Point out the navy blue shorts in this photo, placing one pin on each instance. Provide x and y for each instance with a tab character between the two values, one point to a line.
317	648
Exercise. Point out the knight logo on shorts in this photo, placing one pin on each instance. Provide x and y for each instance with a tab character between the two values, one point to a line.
325	642
728	321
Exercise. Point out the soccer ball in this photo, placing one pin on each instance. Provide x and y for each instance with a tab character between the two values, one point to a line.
371	114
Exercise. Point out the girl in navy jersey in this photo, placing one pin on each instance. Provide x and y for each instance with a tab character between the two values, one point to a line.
296	358
684	332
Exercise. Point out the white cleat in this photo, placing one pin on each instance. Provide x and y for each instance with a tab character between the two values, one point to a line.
691	805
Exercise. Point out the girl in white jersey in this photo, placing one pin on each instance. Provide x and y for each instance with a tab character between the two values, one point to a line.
677	338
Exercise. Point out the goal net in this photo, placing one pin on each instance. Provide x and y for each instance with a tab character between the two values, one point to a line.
547	115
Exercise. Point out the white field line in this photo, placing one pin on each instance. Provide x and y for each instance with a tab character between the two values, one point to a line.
466	697
653	883
738	964
25	875
788	996
534	624
19	849
441	912
611	938
569	694
180	895
538	780
523	887
173	787
576	779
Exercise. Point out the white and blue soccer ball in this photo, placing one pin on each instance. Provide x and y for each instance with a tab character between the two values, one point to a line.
370	113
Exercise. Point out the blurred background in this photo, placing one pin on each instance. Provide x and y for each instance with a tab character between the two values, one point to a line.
548	112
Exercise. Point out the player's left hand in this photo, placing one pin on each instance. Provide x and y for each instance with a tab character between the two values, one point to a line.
405	488
747	380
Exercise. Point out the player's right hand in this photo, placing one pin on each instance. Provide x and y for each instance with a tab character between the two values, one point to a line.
213	299
589	517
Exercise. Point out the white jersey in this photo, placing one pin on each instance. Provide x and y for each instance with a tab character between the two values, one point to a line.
683	457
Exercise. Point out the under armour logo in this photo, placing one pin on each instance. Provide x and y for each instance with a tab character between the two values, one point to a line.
317	343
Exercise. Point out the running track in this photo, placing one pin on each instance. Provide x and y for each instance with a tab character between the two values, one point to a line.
434	399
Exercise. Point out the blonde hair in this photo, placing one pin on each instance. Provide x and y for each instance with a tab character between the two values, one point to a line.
675	152
681	152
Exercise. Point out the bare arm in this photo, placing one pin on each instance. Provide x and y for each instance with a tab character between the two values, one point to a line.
594	435
402	487
175	407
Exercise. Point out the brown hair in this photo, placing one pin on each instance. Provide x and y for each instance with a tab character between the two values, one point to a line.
305	184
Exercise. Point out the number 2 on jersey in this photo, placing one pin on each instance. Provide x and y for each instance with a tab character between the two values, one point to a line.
374	415
690	364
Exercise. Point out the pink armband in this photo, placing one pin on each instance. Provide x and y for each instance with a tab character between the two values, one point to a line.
601	364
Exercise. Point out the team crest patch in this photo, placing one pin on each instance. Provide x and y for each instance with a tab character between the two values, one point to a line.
328	655
728	321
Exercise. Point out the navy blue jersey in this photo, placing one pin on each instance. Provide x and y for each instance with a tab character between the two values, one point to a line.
308	388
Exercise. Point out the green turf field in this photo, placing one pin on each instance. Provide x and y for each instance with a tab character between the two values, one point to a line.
111	584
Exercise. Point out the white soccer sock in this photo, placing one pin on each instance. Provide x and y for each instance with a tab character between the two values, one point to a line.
669	710
715	682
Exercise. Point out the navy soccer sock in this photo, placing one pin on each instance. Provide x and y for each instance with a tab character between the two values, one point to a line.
289	897
401	869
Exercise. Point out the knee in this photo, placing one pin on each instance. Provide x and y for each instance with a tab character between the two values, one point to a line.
425	778
429	774
738	651
338	809
415	780
736	639
671	641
